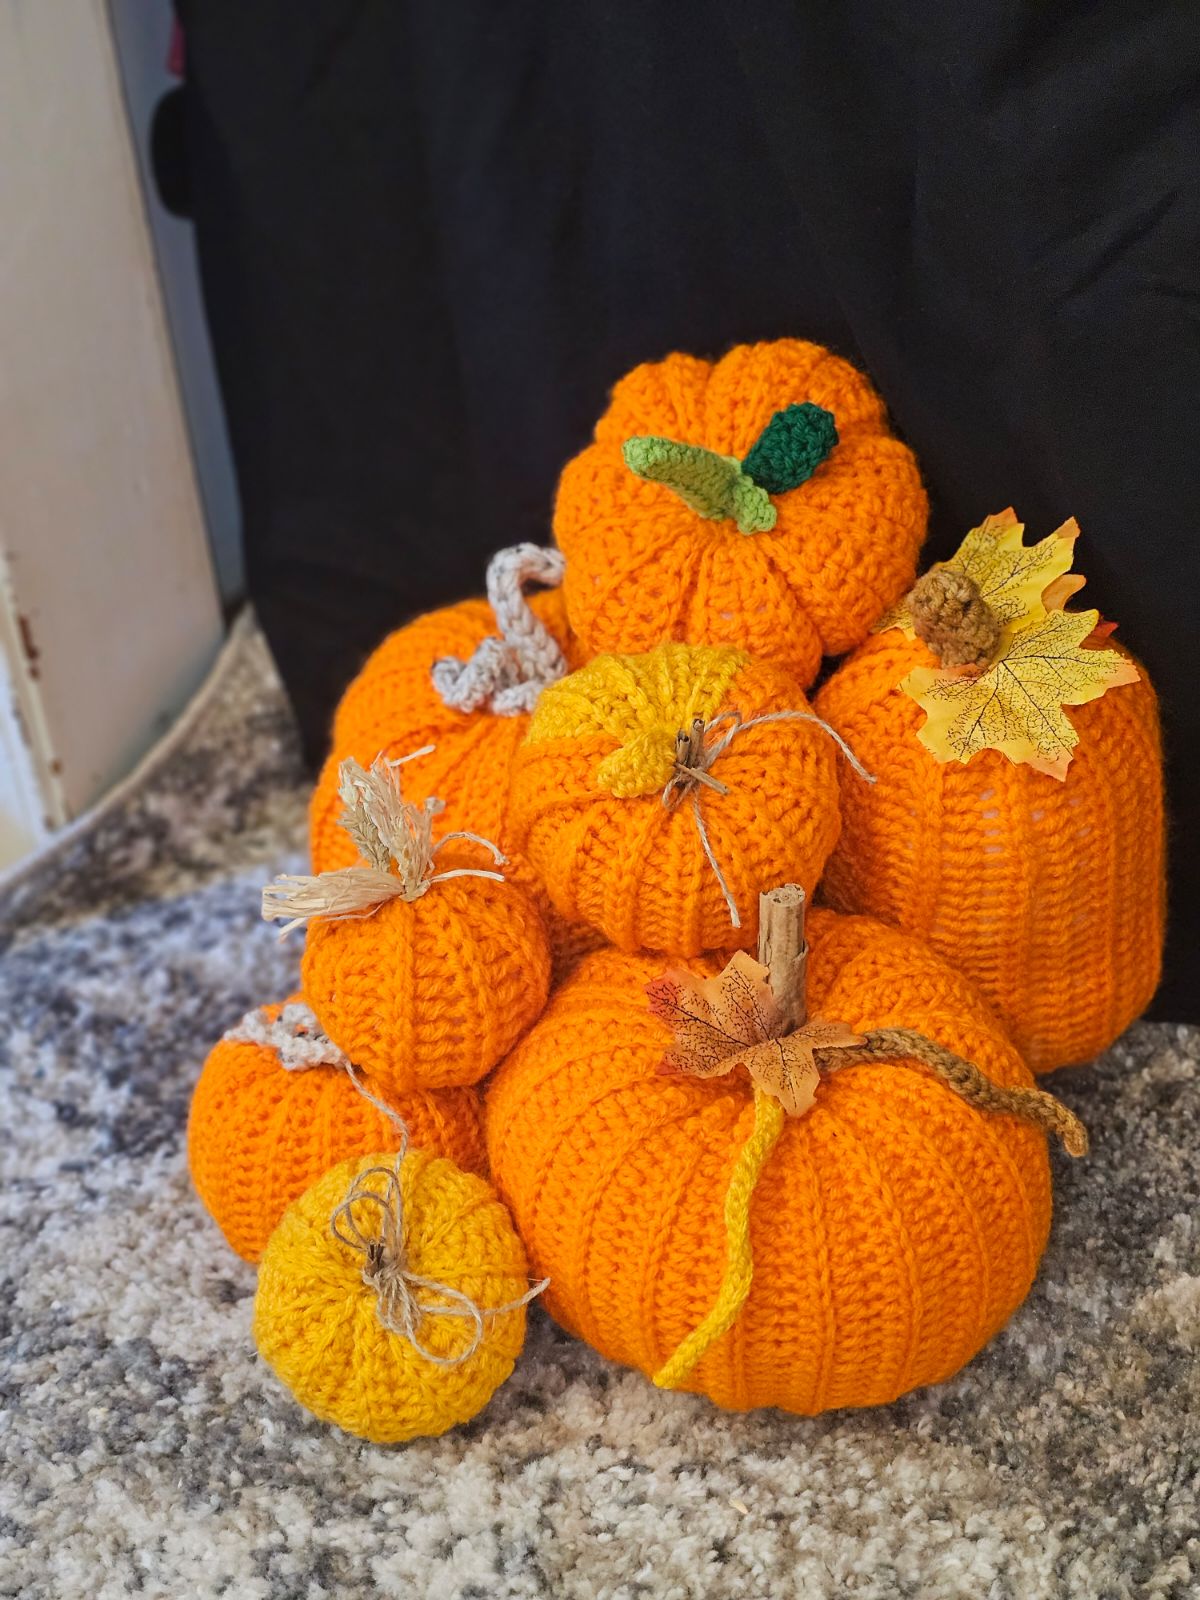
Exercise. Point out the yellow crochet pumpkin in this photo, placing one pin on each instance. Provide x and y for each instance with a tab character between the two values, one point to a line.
391	1297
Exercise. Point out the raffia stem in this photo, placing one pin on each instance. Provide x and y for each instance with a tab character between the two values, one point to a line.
394	837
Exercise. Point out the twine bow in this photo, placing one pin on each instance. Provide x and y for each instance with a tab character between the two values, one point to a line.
395	841
509	669
695	754
405	1300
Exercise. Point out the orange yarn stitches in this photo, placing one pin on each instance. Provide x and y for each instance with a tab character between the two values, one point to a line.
631	843
894	1228
260	1132
1049	894
643	564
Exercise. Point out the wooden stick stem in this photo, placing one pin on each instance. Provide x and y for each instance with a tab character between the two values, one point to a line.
782	950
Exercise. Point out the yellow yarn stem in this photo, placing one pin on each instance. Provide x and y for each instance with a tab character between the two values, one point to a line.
739	1264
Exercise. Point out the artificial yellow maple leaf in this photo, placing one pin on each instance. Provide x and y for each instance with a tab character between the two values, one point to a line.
1016	705
1016	580
719	1022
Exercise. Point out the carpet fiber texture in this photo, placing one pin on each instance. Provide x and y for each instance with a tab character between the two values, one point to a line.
145	1450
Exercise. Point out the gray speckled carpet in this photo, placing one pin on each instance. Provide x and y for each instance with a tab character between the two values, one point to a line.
144	1450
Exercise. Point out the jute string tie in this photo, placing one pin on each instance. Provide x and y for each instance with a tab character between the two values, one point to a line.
696	751
395	843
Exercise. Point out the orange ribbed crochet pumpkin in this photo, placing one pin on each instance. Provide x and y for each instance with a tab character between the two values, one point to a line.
758	501
1047	891
893	1229
655	807
489	659
271	1114
423	965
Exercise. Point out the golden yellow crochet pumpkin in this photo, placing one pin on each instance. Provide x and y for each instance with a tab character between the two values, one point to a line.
758	501
391	1297
657	795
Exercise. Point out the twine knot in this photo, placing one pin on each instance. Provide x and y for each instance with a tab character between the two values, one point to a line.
395	842
695	753
405	1300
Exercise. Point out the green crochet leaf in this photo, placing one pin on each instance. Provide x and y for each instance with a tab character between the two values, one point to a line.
713	485
791	447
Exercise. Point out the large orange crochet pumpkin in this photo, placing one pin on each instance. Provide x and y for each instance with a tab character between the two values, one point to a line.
658	856
260	1132
762	502
1048	893
894	1228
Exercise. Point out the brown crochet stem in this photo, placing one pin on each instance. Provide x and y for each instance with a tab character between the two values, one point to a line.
950	614
965	1079
782	950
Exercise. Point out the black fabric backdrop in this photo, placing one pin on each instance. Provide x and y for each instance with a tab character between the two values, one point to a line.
432	235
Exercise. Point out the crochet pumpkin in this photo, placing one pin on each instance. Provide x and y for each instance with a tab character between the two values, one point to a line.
457	687
758	500
391	1297
275	1108
421	964
656	795
1043	883
888	1232
473	721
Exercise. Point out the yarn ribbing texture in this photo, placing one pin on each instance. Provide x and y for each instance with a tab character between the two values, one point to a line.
643	566
259	1134
316	1321
1048	894
587	803
894	1229
392	708
430	992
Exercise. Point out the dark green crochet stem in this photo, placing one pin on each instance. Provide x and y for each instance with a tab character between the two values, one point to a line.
791	447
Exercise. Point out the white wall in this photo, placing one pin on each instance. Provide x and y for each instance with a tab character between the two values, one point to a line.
108	607
142	33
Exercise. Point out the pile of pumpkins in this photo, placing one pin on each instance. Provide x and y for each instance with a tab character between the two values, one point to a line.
539	807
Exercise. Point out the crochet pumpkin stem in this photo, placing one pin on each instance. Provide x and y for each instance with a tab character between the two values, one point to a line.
950	614
783	951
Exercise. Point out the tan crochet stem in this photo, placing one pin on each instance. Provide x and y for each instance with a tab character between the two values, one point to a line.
966	1081
782	950
950	614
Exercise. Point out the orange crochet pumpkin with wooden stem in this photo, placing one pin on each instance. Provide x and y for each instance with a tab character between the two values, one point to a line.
656	795
759	501
421	965
276	1107
867	1243
1025	845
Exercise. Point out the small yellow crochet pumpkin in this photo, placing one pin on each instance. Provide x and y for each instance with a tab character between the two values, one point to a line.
391	1297
657	795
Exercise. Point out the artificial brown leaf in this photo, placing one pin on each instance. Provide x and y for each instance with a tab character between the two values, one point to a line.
719	1022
